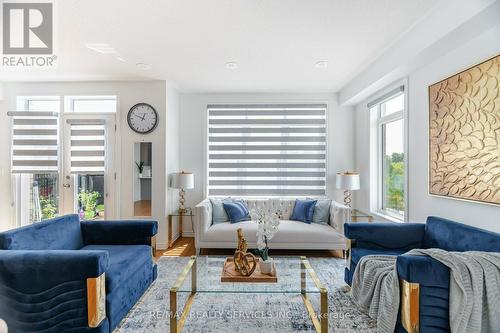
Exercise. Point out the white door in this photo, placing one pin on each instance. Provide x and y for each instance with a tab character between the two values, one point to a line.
88	179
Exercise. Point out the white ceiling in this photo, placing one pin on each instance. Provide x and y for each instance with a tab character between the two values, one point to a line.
275	43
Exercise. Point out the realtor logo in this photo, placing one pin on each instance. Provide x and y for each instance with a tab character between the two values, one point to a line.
28	34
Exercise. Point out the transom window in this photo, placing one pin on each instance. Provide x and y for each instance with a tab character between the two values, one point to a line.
391	153
267	150
90	104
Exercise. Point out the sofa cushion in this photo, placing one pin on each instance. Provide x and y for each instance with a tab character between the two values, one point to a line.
60	233
289	232
303	210
358	253
453	236
237	211
124	261
219	214
322	211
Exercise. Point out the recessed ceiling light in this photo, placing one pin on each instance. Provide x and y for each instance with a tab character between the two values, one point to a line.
321	64
231	65
143	66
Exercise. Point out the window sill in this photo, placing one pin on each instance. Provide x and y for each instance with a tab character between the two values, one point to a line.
389	218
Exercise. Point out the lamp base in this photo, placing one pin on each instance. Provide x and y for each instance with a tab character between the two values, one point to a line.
347	198
182	209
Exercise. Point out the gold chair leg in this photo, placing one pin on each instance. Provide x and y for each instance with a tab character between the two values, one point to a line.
410	303
96	300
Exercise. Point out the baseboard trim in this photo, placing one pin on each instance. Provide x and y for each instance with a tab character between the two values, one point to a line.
161	246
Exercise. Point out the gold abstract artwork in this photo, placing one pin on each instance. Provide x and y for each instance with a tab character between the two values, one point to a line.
464	134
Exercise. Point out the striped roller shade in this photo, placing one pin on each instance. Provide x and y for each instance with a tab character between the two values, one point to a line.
267	150
87	146
34	142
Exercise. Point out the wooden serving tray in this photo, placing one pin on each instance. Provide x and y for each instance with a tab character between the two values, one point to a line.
229	274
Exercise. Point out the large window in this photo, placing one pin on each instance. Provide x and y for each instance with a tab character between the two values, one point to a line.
266	150
58	159
389	110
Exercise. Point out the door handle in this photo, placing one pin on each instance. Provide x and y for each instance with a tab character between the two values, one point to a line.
66	185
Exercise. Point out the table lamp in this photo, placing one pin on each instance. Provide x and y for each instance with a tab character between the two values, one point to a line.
182	181
347	181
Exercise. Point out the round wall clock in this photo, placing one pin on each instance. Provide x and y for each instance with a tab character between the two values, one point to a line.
142	118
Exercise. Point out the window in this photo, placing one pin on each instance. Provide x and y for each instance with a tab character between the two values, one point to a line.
391	153
38	103
266	150
90	104
35	147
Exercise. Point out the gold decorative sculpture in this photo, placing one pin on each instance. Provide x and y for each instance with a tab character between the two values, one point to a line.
464	134
244	262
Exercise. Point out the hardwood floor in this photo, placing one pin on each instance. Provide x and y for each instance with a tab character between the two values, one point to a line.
184	247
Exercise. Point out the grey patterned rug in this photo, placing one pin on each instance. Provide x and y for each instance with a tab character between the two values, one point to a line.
248	313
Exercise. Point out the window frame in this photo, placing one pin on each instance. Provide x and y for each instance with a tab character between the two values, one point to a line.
378	127
222	101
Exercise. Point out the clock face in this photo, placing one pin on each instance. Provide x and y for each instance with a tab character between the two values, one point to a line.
142	118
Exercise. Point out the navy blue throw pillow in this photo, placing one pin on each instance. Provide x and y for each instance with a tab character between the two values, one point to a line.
236	211
303	210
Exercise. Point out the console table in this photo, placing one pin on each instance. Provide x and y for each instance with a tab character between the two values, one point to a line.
180	217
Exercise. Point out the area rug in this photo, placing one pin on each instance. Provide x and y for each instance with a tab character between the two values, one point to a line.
248	313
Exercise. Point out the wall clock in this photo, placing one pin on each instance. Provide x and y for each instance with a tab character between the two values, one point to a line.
142	118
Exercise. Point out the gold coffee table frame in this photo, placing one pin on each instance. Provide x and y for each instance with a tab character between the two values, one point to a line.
177	320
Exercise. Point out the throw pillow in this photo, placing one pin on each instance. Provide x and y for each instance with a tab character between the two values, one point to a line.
321	211
219	214
303	210
237	211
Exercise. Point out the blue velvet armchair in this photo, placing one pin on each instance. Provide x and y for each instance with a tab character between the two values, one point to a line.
65	275
424	281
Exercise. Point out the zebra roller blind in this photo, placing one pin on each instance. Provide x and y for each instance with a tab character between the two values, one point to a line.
267	150
87	146
35	142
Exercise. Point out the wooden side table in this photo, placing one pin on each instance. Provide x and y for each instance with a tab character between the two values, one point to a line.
360	216
170	221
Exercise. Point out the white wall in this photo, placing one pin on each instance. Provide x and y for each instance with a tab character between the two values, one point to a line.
162	96
172	147
459	54
193	134
6	209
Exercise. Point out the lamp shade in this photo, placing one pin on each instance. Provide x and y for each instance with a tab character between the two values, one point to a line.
347	181
183	180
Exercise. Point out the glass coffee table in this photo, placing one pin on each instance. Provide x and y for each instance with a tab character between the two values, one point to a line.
295	276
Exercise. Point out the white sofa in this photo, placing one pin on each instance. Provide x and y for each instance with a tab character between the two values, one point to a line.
291	234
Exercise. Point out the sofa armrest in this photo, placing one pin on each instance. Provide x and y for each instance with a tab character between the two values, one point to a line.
203	219
42	289
404	236
132	232
339	215
425	284
423	270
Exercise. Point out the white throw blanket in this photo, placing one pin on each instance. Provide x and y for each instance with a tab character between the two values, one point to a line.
474	289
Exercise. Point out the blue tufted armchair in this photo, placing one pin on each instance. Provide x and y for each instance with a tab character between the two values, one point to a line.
424	281
65	275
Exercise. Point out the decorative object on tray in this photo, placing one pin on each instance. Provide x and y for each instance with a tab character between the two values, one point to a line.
229	274
268	222
464	134
244	262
